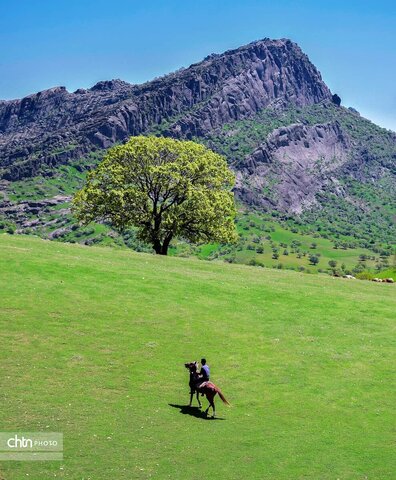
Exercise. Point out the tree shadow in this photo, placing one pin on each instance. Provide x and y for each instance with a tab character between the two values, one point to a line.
193	412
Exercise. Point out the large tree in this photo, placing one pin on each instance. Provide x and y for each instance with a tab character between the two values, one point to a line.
166	188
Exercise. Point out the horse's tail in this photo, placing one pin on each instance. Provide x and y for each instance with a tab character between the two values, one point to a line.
222	396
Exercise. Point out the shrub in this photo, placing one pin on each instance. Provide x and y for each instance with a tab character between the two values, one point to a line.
7	227
358	268
313	259
255	263
230	259
365	275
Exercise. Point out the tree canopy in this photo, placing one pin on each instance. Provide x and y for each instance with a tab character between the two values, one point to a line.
166	188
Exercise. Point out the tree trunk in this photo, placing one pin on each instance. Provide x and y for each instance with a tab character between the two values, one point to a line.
166	243
157	247
162	249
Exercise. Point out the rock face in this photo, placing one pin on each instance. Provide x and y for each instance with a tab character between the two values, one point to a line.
54	126
295	162
30	207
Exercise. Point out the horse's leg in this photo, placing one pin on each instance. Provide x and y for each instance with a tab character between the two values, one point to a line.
211	403
210	400
213	406
207	397
191	397
199	401
210	396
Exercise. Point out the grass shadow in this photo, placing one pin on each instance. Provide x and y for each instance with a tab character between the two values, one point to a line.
193	412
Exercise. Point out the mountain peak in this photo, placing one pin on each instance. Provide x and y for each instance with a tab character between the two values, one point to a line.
109	85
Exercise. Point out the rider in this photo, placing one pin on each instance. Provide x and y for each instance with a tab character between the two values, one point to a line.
204	374
205	371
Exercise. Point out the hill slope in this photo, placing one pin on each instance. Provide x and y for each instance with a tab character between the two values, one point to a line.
94	340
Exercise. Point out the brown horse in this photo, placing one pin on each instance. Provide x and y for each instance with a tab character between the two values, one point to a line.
193	382
207	388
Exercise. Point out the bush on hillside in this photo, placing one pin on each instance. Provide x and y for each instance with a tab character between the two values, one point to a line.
365	275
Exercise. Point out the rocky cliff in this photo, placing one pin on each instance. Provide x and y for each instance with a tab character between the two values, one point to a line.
296	162
53	126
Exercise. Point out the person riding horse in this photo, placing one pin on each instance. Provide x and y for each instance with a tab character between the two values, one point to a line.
204	374
200	383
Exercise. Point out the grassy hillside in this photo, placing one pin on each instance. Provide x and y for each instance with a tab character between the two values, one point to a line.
264	241
93	342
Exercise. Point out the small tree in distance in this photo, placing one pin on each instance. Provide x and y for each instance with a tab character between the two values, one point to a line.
314	259
166	188
333	265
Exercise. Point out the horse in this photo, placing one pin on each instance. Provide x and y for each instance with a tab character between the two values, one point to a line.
207	388
193	382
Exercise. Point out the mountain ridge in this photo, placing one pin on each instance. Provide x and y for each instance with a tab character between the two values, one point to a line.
235	85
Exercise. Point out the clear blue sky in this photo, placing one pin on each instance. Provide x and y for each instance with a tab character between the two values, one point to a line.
45	43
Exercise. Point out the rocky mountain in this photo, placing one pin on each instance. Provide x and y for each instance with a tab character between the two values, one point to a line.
294	148
51	127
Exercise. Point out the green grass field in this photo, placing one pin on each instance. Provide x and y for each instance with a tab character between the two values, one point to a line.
93	342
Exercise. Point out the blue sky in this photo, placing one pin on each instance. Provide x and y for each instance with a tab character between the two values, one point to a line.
44	43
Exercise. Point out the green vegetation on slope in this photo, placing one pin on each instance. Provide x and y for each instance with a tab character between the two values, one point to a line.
265	241
63	180
93	344
370	206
